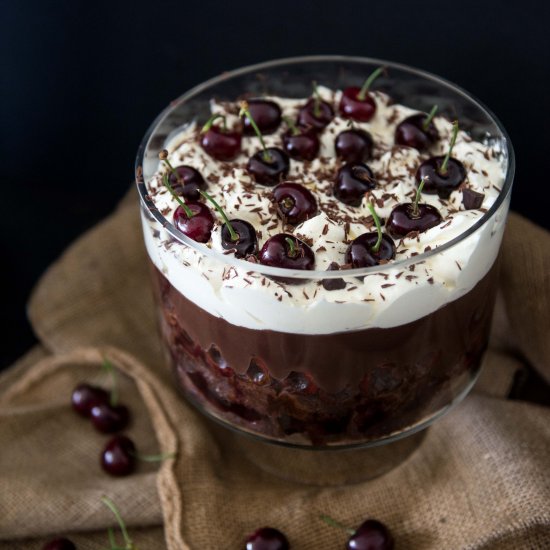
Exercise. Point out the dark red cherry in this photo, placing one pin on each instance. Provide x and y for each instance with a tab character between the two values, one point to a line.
278	252
85	397
199	226
360	252
315	114
352	182
59	544
303	145
437	182
411	132
118	457
371	535
268	171
221	144
352	106
247	243
188	182
354	145
267	538
295	203
404	219
266	114
107	418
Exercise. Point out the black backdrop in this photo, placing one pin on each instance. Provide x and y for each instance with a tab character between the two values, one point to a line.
83	80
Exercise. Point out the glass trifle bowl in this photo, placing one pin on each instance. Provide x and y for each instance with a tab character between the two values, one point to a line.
312	339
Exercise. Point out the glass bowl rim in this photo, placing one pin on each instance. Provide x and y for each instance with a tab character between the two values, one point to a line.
318	274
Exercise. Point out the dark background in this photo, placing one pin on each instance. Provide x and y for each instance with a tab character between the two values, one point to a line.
82	81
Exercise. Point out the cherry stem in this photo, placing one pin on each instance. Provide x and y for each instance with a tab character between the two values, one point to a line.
429	118
365	88
111	505
153	458
246	112
417	197
163	155
316	101
111	535
186	209
293	128
376	247
292	246
443	169
108	367
333	523
232	232
211	120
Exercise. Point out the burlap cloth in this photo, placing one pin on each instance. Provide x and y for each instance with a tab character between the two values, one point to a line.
479	479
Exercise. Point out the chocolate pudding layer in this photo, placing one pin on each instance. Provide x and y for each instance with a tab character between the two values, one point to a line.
326	389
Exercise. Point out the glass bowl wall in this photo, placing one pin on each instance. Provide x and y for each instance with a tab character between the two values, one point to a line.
325	381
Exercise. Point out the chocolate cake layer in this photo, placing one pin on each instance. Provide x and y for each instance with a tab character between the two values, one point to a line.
330	388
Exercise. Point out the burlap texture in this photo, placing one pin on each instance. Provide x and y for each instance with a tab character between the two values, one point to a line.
479	479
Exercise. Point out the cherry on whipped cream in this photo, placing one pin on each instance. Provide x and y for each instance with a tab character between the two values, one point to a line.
295	203
237	235
442	174
353	145
357	103
288	252
246	243
219	142
269	165
267	538
194	220
266	115
371	248
405	219
353	180
316	113
186	181
301	143
412	216
417	131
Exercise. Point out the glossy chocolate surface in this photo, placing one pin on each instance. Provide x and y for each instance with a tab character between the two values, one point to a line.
330	388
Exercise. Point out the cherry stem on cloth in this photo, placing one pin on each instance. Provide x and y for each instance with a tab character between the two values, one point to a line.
333	523
111	505
108	367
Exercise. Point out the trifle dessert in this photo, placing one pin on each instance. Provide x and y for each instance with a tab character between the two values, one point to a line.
324	255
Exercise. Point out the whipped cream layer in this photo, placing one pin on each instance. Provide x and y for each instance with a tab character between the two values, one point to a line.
393	296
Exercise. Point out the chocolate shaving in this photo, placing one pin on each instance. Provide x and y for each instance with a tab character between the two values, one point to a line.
333	284
471	199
